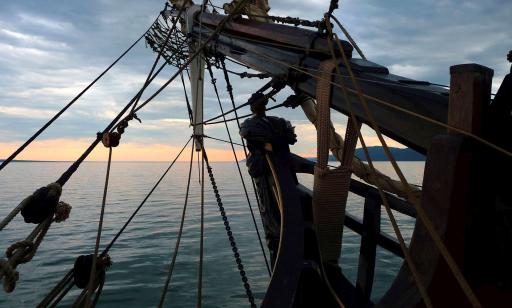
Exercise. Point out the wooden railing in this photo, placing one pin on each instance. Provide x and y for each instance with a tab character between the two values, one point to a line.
370	230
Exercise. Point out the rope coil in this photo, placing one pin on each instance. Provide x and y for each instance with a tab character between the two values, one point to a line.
25	248
82	269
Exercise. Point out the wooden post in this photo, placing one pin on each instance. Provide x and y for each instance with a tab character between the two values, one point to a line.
484	262
470	90
368	250
452	192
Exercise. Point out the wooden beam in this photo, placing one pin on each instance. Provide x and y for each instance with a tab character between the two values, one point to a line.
418	97
368	249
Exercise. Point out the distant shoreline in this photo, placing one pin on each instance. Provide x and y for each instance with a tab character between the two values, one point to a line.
36	161
376	153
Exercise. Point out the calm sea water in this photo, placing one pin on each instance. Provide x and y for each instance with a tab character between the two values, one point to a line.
143	252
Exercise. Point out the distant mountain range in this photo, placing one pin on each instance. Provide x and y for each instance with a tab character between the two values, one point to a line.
377	154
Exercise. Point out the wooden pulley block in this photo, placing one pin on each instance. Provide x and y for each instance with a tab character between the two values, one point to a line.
111	140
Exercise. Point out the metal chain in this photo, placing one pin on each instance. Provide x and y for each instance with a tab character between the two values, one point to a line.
231	239
295	21
230	90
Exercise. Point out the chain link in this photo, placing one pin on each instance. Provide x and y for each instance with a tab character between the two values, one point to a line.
231	238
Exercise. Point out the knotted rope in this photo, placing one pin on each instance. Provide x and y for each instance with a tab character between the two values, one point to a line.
89	267
36	207
23	251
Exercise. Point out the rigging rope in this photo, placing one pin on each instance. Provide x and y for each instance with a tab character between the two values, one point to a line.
92	278
24	251
421	213
177	50
214	84
189	108
69	276
348	36
222	140
393	106
180	232
249	75
360	169
229	89
403	246
198	51
162	49
72	169
56	116
276	87
244	116
65	177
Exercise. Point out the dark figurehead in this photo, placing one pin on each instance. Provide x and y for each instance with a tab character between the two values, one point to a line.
266	134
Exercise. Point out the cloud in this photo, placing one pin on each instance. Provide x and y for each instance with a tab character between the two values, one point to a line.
32	40
413	71
50	53
21	53
27	112
47	23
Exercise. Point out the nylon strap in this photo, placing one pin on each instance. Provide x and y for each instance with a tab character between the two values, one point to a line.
331	186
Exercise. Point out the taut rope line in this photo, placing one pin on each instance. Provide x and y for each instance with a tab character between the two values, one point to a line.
214	84
403	246
387	104
69	276
56	116
180	232
92	277
421	213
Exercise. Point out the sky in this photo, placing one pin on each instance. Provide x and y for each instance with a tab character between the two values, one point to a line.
50	50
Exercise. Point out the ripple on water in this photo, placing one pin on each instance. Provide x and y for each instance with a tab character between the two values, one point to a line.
142	254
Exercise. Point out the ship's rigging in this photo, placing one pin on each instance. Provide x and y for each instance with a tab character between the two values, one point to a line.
323	65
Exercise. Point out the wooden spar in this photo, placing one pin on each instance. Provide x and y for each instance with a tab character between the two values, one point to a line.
254	44
196	81
292	37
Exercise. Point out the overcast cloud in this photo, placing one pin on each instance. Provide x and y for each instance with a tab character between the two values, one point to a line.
50	50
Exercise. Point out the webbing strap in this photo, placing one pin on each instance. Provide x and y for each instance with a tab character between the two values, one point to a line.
331	186
350	142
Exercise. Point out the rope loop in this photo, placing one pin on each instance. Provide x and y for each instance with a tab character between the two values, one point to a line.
10	275
27	248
